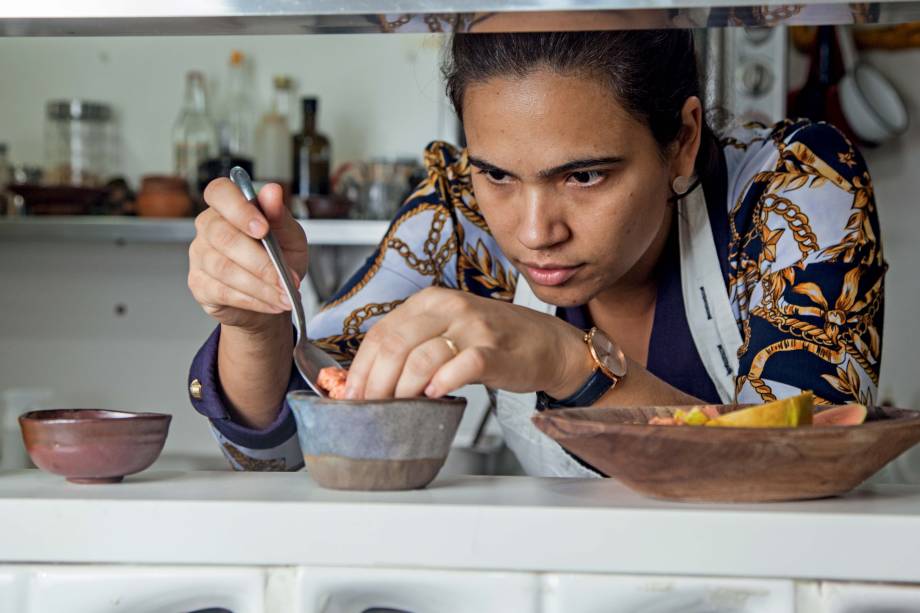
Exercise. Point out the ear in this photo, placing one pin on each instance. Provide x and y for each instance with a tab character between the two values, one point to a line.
688	139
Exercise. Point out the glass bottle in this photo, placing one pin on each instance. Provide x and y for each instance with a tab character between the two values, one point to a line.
237	111
194	134
311	156
273	136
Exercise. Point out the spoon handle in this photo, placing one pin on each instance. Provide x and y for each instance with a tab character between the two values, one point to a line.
241	179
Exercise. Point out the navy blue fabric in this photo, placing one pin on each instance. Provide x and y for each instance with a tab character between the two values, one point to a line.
213	405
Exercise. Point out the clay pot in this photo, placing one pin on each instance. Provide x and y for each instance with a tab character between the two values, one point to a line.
163	196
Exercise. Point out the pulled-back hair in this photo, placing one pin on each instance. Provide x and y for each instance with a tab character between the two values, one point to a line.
651	72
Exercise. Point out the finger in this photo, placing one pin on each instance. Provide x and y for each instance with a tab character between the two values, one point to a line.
227	199
421	365
402	336
395	335
360	367
228	272
289	233
470	366
211	293
249	254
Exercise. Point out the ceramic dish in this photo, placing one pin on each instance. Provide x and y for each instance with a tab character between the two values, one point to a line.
396	444
93	446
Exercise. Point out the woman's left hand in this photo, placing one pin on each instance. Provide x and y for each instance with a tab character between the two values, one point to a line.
411	351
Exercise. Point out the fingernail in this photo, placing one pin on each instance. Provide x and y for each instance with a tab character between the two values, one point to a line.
351	393
286	301
431	391
257	228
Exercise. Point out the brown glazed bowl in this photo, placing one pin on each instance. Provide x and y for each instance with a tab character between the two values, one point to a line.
93	446
700	464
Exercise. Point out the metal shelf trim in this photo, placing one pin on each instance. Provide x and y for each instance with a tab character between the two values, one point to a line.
177	17
343	232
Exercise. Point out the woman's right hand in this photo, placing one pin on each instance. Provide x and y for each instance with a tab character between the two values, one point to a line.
230	273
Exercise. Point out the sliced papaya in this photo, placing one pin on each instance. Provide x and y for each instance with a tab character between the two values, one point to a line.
786	413
846	415
693	417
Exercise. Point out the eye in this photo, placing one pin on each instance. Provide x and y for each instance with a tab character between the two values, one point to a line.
499	177
586	178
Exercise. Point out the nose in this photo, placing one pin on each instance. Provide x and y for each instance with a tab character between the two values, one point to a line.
542	223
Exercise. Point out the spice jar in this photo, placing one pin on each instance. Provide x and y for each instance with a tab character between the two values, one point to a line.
78	143
163	196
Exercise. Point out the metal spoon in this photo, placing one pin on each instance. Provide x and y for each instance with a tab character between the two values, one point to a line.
308	358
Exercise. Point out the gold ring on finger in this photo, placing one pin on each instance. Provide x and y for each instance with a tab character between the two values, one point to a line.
451	345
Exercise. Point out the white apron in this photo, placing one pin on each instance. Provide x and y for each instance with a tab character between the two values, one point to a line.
712	324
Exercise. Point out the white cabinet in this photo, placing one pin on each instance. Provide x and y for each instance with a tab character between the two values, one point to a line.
354	590
577	593
14	584
114	589
276	589
867	598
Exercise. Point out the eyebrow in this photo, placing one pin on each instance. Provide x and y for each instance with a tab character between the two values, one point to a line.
573	166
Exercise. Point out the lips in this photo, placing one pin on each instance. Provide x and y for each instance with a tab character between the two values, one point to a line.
551	275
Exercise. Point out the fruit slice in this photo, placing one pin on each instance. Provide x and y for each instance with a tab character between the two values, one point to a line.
846	415
786	413
695	417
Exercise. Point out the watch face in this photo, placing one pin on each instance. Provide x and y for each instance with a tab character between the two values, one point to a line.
609	353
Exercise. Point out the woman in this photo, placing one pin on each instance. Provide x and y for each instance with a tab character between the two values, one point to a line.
592	197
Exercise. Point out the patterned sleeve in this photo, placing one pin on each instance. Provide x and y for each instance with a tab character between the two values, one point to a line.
438	238
807	271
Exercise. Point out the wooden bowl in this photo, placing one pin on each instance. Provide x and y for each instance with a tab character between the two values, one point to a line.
396	444
693	463
93	446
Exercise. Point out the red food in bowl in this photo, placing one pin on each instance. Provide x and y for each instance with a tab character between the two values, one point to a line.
332	380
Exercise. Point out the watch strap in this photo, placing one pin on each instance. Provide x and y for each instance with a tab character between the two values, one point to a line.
596	386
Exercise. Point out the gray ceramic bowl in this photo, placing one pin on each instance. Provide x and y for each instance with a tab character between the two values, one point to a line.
397	444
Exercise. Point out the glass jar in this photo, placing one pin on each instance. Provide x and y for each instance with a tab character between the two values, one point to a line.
78	143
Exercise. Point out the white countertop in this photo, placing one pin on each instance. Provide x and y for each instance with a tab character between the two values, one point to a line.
510	523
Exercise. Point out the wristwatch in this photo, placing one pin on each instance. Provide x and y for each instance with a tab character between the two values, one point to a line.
609	369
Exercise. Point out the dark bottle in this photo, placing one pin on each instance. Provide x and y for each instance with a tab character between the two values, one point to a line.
311	153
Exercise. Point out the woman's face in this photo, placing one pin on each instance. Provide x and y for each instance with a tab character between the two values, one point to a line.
573	188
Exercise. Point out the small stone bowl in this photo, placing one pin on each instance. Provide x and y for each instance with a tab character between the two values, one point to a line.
394	444
93	446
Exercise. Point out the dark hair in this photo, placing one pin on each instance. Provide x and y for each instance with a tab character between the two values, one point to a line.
652	72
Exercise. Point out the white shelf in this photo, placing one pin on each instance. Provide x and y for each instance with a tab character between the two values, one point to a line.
170	17
92	228
501	523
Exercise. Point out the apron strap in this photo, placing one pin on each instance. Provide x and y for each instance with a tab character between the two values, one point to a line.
709	312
